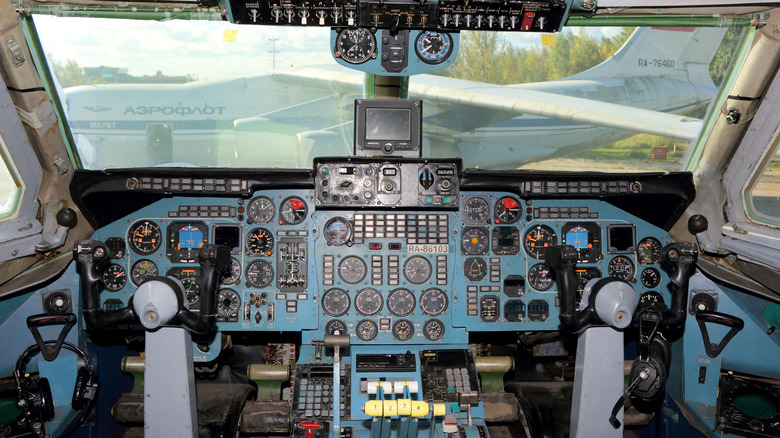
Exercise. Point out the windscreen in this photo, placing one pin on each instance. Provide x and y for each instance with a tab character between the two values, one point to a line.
203	93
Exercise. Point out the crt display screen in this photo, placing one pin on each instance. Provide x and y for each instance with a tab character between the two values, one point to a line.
388	124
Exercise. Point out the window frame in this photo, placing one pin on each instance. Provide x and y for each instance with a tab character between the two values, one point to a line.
743	233
20	231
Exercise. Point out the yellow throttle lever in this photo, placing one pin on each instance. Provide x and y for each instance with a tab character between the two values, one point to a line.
403	407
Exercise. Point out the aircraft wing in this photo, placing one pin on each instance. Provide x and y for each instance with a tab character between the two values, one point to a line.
520	101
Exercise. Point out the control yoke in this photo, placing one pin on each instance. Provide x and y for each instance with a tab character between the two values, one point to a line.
91	258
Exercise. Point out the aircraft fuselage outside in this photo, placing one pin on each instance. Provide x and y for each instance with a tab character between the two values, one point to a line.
219	120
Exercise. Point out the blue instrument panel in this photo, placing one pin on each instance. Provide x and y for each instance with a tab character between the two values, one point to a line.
383	276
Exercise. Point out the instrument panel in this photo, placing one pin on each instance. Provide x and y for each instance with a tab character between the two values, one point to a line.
418	275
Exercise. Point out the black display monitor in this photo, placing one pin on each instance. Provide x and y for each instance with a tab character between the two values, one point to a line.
388	127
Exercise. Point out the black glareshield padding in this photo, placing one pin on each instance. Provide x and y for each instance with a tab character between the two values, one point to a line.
91	258
562	259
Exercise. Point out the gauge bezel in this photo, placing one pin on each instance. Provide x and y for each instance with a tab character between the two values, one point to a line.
427	329
647	284
396	328
551	239
250	282
419	276
367	323
253	216
617	259
361	302
259	233
350	279
481	219
192	296
330	239
366	35
423	302
655	255
467	273
440	57
220	307
340	312
116	272
330	329
392	304
283	214
134	245
468	247
137	280
532	278
500	206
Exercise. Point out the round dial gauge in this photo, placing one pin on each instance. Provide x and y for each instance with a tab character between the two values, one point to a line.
356	46
650	277
189	279
292	211
114	278
259	274
474	241
231	274
417	270
366	330
537	239
259	242
337	231
540	277
260	210
144	237
335	327
403	330
650	298
507	210
622	268
648	251
401	302
143	269
368	302
475	268
352	270
433	47
476	210
433	330
228	304
335	302
433	302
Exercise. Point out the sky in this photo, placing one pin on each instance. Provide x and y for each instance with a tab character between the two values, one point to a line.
197	48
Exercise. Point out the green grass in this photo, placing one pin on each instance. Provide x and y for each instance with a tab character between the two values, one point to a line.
636	148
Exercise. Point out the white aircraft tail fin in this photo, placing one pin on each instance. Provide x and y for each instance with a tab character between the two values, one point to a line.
683	52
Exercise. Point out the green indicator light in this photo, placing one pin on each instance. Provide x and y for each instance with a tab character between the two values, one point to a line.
324	194
357	197
324	182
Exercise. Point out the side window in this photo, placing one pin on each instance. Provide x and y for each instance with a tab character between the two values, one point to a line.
10	189
764	194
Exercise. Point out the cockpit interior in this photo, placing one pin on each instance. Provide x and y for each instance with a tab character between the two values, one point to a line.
389	218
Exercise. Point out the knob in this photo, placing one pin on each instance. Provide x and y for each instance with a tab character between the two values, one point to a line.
697	224
67	218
